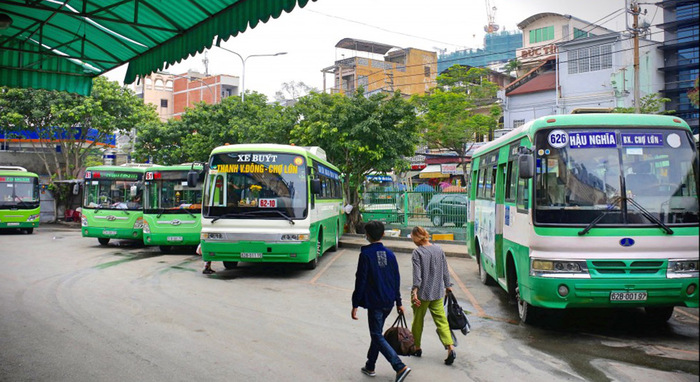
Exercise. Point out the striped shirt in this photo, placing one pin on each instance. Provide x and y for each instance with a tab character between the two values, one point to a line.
430	273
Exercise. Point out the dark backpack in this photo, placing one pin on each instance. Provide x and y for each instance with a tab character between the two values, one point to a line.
456	316
400	337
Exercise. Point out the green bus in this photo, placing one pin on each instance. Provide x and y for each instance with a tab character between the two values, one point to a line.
112	207
270	203
172	210
19	199
589	210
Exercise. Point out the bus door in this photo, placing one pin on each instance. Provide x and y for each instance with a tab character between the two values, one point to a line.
499	186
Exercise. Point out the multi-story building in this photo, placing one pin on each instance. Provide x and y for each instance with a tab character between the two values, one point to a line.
194	87
157	89
593	72
499	48
382	68
681	57
543	32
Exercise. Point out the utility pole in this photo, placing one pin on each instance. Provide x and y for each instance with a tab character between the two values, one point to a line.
635	33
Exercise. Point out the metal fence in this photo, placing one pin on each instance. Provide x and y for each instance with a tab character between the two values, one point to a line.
439	211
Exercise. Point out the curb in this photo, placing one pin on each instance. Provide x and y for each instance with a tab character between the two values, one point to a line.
398	246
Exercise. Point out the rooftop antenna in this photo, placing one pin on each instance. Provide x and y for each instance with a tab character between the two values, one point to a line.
206	63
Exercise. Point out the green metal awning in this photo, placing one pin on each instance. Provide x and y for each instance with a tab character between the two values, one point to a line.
63	44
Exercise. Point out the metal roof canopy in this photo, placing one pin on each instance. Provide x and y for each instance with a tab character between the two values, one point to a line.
62	45
365	46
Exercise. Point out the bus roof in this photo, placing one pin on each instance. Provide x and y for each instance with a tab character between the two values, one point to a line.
594	119
177	167
133	169
5	172
272	147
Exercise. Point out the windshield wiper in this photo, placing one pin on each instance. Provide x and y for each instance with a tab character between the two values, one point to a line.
252	213
289	218
230	215
188	211
649	216
600	217
161	212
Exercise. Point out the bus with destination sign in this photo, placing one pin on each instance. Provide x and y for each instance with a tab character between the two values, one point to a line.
112	203
172	209
19	199
270	203
589	210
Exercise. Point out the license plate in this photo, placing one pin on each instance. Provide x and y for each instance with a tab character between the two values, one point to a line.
251	255
174	238
13	224
628	296
109	232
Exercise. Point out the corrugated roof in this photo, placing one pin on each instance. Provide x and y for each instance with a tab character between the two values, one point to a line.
542	82
364	46
63	45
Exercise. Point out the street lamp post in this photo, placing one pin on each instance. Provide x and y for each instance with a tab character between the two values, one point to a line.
243	60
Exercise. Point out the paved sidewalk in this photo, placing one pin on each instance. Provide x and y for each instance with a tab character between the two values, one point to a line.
405	245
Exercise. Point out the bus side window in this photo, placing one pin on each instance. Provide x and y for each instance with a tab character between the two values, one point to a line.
523	195
511	182
494	171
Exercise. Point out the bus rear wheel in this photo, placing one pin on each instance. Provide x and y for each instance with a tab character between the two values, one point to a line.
29	231
103	240
659	314
485	278
230	265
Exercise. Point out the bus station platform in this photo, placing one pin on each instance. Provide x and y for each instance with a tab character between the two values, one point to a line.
404	245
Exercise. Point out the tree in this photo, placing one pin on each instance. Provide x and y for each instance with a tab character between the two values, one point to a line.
68	126
359	135
293	90
513	66
207	126
649	104
458	110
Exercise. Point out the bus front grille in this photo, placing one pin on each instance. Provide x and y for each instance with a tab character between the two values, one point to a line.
617	268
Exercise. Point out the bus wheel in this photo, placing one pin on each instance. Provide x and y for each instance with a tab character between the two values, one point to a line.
659	314
103	240
526	312
230	265
29	231
314	263
335	246
166	248
485	278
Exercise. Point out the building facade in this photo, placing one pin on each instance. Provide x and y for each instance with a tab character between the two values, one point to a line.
681	57
378	67
193	87
499	48
157	89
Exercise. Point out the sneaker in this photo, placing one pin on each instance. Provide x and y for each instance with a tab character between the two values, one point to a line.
451	357
401	375
366	371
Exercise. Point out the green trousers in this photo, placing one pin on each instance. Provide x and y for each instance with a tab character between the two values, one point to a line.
439	316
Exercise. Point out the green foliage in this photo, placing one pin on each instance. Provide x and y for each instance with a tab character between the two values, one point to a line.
649	104
207	126
359	134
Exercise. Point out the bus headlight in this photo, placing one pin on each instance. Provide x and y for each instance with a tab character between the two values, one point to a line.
682	269
83	220
559	268
32	217
295	237
138	224
146	227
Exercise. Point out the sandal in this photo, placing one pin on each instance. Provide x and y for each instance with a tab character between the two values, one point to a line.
208	271
451	357
417	353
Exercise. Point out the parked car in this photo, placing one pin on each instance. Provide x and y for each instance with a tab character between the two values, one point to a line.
447	208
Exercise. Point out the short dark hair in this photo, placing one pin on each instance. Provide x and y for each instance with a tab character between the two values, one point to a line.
374	230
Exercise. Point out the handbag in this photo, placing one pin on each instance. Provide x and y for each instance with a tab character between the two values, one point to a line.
400	337
456	316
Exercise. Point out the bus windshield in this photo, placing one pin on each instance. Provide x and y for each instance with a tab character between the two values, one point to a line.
19	192
170	194
255	185
111	193
622	173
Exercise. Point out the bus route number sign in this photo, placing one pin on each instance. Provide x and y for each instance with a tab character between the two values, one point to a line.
267	203
558	138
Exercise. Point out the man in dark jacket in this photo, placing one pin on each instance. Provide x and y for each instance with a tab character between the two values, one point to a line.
377	289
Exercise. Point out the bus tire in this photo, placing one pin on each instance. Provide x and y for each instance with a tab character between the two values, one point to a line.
230	265
484	277
29	231
166	248
103	240
337	239
314	262
528	314
659	314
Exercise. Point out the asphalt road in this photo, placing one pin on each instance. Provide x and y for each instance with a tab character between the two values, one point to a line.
71	310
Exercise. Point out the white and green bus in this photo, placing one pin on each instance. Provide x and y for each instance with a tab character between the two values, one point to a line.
172	209
112	205
270	203
597	210
19	199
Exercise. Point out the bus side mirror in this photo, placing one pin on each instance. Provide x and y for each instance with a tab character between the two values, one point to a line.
192	179
526	165
76	189
316	186
133	190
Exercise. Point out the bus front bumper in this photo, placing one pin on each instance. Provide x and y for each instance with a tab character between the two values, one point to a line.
19	224
190	238
259	252
113	233
598	293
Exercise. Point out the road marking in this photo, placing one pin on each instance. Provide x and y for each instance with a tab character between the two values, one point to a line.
325	268
694	317
479	311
